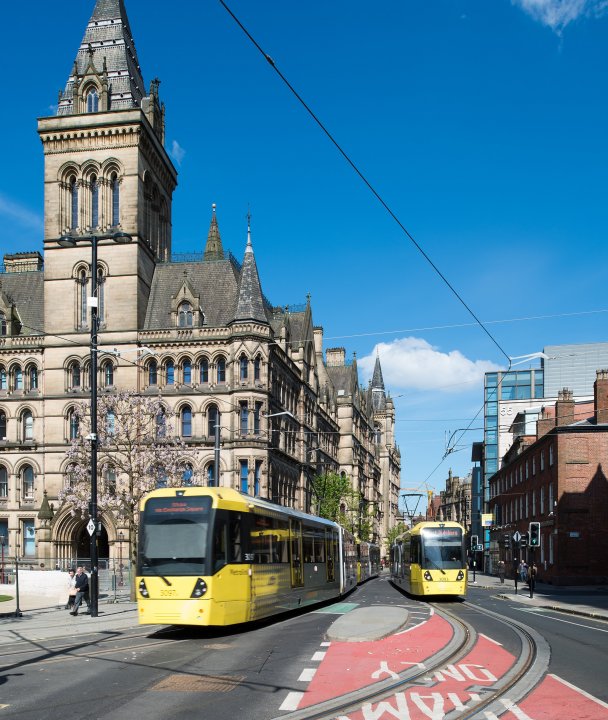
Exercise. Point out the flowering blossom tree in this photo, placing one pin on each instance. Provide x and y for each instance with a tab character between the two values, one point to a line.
136	453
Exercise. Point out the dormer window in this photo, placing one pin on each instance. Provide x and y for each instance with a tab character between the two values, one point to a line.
93	101
185	315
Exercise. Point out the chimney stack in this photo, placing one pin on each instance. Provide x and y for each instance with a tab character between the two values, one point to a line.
564	408
600	395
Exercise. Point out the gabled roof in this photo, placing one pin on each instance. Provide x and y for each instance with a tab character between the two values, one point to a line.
108	41
26	291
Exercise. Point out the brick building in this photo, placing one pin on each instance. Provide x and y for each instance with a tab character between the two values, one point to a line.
558	477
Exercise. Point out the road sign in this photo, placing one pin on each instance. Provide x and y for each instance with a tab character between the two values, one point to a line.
91	527
479	548
516	536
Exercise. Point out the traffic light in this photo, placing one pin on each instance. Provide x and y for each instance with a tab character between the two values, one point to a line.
534	534
507	540
524	540
473	541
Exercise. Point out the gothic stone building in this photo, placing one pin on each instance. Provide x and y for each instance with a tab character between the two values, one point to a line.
199	331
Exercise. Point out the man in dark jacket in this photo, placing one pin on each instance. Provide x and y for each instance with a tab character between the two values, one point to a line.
82	590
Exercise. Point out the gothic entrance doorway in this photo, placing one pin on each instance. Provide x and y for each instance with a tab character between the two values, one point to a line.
83	547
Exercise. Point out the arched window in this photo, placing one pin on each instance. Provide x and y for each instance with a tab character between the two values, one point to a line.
94	202
18	377
243	367
170	372
221	370
187	474
3	483
74	424
2	426
74	375
257	363
161	477
110	480
204	370
27	482
185	315
83	282
244	418
110	422
244	476
3	325
211	474
186	418
73	204
27	425
152	373
115	201
213	419
32	372
3	378
187	372
92	101
107	373
161	424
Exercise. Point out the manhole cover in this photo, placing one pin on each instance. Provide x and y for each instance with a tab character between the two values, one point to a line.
198	683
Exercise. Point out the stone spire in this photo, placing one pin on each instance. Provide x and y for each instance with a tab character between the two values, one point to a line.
213	248
107	50
378	392
250	304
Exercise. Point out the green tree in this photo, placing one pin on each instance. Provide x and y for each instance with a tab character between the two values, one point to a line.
394	532
336	499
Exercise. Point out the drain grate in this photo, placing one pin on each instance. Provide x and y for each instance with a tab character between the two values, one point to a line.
182	682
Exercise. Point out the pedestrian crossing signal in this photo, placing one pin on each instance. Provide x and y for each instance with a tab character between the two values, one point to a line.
534	534
474	541
507	540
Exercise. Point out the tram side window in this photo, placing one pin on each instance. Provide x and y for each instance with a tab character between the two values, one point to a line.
415	550
269	539
226	539
313	545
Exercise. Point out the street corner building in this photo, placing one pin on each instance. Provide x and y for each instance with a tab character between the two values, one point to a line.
196	329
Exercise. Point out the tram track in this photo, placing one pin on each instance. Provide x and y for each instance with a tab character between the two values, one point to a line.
487	702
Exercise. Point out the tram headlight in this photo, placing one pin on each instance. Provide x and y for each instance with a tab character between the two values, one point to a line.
460	575
199	589
143	590
428	576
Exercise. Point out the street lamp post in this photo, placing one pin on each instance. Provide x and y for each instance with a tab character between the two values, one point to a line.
71	241
2	566
18	612
121	580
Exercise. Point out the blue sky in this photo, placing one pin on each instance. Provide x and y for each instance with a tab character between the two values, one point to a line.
482	123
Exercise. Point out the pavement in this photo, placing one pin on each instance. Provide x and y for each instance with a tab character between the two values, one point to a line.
40	622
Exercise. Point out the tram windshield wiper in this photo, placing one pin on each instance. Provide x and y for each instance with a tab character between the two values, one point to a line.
154	570
434	564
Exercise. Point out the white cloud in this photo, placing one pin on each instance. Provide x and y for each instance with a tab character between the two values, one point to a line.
19	213
177	152
413	363
556	14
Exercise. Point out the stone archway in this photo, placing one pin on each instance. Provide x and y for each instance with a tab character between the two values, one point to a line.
71	541
83	545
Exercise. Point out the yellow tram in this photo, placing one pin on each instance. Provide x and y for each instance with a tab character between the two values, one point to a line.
430	559
213	556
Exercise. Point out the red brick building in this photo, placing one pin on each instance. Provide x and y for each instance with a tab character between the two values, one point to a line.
559	479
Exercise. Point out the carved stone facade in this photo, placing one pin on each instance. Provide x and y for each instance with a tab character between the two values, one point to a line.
199	332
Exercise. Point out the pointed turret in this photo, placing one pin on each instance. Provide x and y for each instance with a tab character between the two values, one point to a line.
250	304
107	64
378	392
213	248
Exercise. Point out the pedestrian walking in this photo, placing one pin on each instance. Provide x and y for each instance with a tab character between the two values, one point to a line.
82	590
501	570
532	570
71	587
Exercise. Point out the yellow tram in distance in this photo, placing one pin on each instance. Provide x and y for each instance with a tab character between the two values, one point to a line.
215	557
430	559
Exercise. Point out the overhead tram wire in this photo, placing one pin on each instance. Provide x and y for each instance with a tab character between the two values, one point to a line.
368	184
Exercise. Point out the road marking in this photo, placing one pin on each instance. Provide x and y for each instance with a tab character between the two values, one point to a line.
318	656
325	644
568	622
515	709
582	692
490	639
307	674
292	701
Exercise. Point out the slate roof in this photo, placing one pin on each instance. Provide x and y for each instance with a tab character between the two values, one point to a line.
26	291
250	302
378	393
216	282
109	36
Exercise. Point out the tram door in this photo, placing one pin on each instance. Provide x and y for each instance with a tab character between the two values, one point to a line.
295	552
331	553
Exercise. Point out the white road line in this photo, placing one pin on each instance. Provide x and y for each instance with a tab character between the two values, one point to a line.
582	692
318	656
490	639
292	701
307	674
514	709
325	644
410	628
568	622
